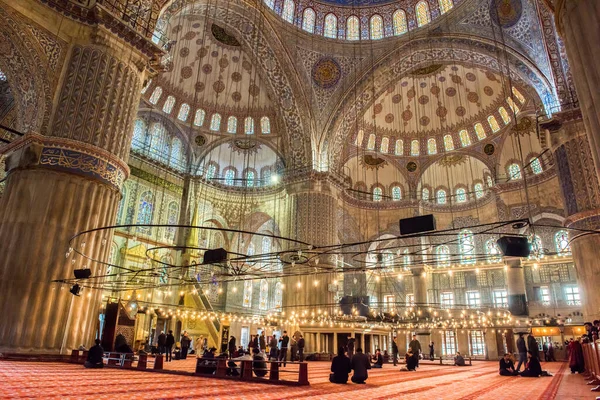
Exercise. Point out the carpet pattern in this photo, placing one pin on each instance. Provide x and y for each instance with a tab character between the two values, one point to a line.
49	380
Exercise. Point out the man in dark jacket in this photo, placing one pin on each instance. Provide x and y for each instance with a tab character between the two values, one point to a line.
231	347
262	342
522	349
300	345
507	368
533	346
285	341
162	340
360	364
350	346
94	357
293	348
415	346
185	344
340	367
395	350
169	342
378	359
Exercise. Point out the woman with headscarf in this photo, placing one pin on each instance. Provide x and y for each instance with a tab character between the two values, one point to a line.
576	362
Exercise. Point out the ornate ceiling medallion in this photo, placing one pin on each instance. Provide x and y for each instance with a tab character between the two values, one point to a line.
489	149
451	160
506	13
523	127
222	36
411	166
200	140
244	145
326	72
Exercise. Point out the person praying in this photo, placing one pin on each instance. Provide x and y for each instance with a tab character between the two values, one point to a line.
507	366
341	367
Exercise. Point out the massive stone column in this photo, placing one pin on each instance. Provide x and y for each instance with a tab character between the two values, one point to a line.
517	295
577	23
65	182
581	193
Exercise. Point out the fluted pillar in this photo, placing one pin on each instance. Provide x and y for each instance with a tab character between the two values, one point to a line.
581	194
517	295
65	182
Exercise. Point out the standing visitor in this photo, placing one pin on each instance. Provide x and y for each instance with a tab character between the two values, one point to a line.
255	344
415	346
293	348
395	350
545	350
533	346
360	364
301	348
551	352
199	346
231	347
431	352
350	346
340	367
285	341
185	344
522	349
169	342
273	348
576	362
161	341
262	342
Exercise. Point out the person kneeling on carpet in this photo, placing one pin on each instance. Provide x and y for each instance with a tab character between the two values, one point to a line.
360	364
533	369
378	358
94	358
340	367
411	361
459	360
259	366
507	366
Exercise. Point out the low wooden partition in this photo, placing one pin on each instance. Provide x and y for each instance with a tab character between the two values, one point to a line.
123	360
591	356
274	372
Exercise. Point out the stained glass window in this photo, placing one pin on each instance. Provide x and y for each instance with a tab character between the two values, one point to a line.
465	140
230	177
146	208
467	247
287	12
278	295
461	195
211	171
480	131
385	143
159	149
448	143
536	166
431	146
443	256
263	295
250	178
478	190
504	115
139	135
518	95
490	182
493	251
422	11
176	159
377	194
169	103
400	25
414	148
199	117
215	122
144	89
265	125
156	95
387	261
352	28
359	138
515	109
270	3
399	150
308	20
231	124
535	247
561	240
184	111
493	123
172	215
371	142
249	125
446	5
425	194
396	193
266	176
376	27
514	172
330	26
441	196
247	300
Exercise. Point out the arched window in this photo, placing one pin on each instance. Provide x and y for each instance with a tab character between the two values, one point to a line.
156	95
535	247
287	11
396	193
441	196
461	195
414	148
278	295
230	177
400	25
176	159
399	149
263	295
359	138
146	208
199	117
431	146
247	299
231	124
443	256
514	172
425	194
376	27
446	5
251	249
478	190
211	172
377	194
385	143
172	216
265	125
448	143
465	139
215	122
159	148
504	115
515	109
466	243
266	176
536	166
480	131
490	182
330	30
144	89
139	135
371	142
422	11
387	261
249	125
518	95
493	123
353	28
249	178
308	20
561	240
169	103
184	111
493	251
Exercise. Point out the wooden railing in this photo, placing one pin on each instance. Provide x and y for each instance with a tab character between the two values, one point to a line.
123	360
274	372
591	356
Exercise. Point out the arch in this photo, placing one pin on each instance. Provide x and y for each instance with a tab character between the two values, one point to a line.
465	139
448	143
265	125
414	148
145	211
249	126
422	13
177	159
231	124
479	131
353	28
441	196
425	194
431	146
377	193
399	148
561	241
308	20
330	27
229	176
169	104
371	142
396	193
383	147
442	255
215	122
466	243
504	114
155	95
250	178
536	166
400	25
518	95
199	117
376	27
514	172
493	123
288	10
140	134
478	190
445	5
184	111
461	195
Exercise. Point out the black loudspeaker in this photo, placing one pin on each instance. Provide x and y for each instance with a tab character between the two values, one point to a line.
359	303
514	246
423	223
82	273
215	256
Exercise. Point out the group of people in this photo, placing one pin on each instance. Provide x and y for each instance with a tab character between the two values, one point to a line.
529	358
166	345
276	349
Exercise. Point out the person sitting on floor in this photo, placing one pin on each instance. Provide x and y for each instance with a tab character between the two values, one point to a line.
340	367
459	360
259	366
94	357
378	359
360	364
507	366
533	369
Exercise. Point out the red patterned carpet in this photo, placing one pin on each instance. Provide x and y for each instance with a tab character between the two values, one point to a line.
60	380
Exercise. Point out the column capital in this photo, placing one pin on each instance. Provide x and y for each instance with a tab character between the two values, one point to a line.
564	126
